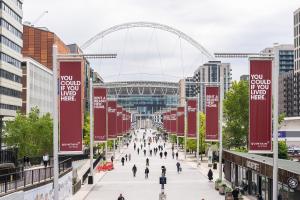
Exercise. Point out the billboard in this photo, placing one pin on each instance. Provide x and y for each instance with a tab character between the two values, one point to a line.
192	118
70	112
119	123
212	113
180	122
260	105
173	119
111	119
100	114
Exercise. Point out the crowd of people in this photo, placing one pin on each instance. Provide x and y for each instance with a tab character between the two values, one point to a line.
149	145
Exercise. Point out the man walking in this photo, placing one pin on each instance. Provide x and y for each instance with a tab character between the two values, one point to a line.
134	170
146	172
122	160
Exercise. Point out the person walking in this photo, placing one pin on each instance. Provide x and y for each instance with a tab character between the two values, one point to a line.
134	170
147	161
210	175
46	159
126	156
144	152
138	151
165	154
134	146
150	152
163	170
173	154
178	167
161	154
176	155
146	172
129	157
122	160
235	194
112	159
121	197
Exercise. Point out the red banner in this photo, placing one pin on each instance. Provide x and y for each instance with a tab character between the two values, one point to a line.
180	121
100	111
71	117
119	121
173	119
212	113
192	118
168	124
112	119
260	114
128	121
124	122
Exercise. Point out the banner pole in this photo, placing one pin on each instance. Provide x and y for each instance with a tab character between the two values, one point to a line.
275	131
185	129
91	181
55	123
114	147
221	121
198	118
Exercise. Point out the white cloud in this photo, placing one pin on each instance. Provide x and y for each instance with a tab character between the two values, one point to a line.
220	26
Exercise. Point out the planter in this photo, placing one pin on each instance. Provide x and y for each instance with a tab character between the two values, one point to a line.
215	166
222	189
217	185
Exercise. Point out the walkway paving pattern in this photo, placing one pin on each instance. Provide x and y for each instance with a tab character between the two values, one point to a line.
190	184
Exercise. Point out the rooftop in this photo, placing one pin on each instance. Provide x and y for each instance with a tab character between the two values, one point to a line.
287	165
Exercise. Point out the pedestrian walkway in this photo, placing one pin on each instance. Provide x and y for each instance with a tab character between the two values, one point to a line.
191	184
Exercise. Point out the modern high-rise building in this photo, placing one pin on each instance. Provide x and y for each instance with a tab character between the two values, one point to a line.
283	56
37	87
10	53
209	73
296	92
244	77
283	59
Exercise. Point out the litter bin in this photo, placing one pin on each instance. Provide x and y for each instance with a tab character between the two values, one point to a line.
215	166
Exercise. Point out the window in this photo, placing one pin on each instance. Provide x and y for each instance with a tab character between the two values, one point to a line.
10	92
10	28
8	59
4	40
10	76
18	3
9	107
10	11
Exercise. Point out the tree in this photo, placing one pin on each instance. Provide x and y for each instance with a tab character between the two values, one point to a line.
31	134
202	130
86	129
282	150
236	115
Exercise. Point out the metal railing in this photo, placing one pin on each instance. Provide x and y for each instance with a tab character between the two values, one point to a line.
28	177
8	156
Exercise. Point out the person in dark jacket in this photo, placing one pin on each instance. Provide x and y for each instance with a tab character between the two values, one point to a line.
147	161
165	154
134	170
121	197
146	172
210	175
235	194
160	154
122	160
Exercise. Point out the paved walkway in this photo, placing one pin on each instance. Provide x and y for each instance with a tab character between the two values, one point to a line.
191	184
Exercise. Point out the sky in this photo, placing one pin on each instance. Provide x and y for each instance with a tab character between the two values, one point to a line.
153	54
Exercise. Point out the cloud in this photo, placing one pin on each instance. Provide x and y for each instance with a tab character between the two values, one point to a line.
220	26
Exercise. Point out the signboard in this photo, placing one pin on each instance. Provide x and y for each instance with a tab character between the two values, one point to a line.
100	111
173	118
123	122
112	119
260	110
180	122
212	113
192	118
70	112
119	123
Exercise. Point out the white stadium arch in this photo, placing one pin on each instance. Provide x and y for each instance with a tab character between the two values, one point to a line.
163	27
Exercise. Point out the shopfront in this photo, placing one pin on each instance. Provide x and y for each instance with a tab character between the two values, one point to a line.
253	175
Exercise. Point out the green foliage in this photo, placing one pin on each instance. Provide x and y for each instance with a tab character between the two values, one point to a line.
86	129
281	118
282	150
173	138
236	115
31	134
